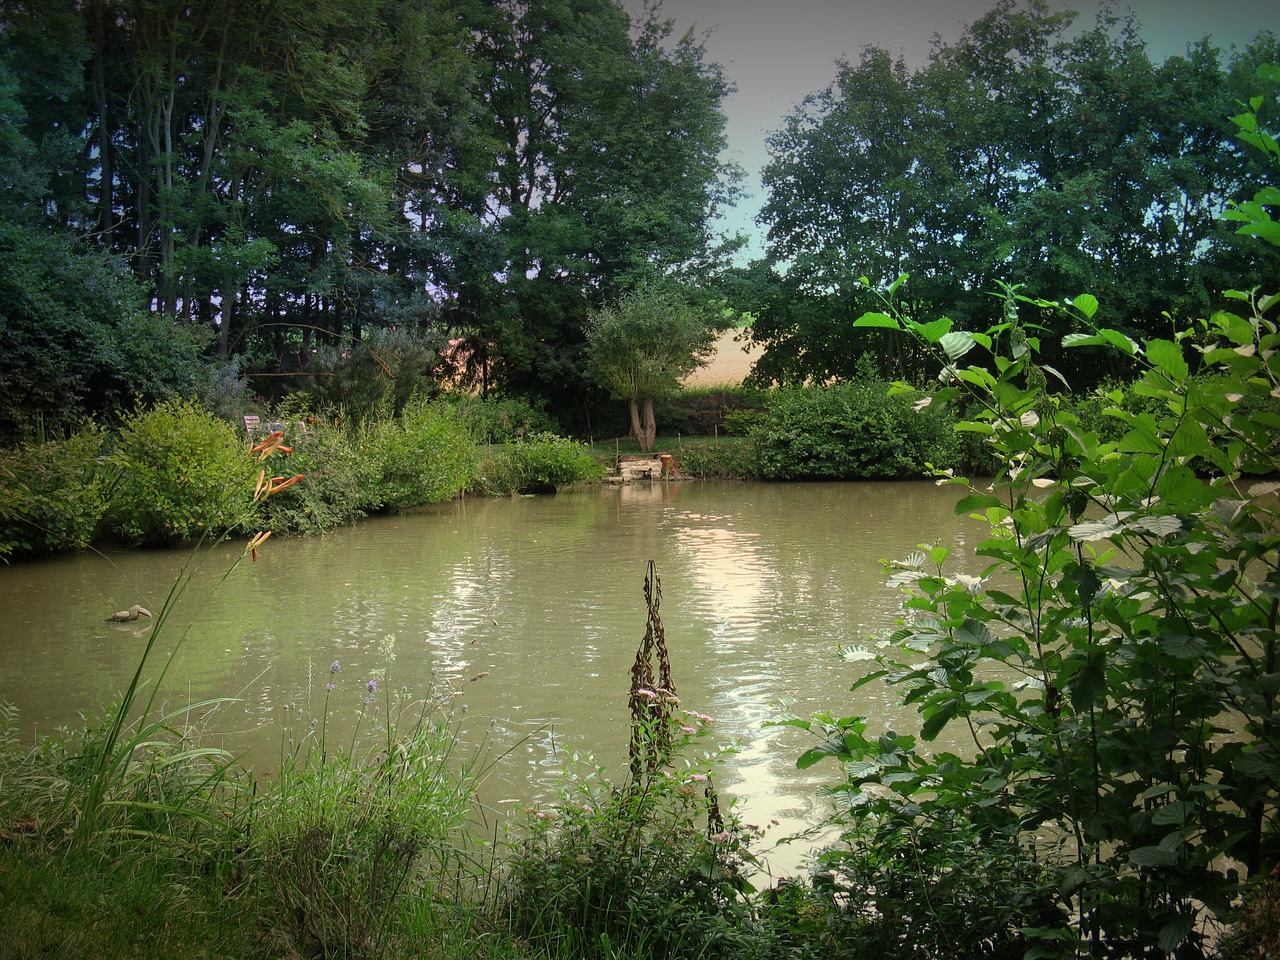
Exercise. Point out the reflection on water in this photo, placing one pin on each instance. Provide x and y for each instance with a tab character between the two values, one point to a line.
528	610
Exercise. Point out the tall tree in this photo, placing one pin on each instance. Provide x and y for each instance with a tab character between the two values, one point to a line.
608	170
1019	154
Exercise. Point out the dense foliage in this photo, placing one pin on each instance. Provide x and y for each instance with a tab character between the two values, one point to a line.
852	432
76	339
1025	151
536	463
1115	664
53	495
290	178
640	348
181	473
174	472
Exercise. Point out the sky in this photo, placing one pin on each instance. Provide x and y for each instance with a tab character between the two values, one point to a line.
778	51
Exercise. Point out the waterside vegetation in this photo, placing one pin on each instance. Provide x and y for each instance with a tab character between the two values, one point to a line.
1116	665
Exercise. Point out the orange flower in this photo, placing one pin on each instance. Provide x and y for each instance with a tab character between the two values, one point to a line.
280	483
269	445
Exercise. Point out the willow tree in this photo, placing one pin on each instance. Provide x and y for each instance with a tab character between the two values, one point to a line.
642	345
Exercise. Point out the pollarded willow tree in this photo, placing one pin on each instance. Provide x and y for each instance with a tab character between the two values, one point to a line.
641	346
609	134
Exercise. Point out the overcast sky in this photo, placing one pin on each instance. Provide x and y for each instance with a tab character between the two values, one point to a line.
778	51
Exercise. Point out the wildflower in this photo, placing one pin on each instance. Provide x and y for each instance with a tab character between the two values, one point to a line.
372	686
689	730
273	443
329	685
335	667
699	777
367	699
547	815
720	837
700	717
646	692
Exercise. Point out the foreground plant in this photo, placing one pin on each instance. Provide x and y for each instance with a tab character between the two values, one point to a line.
1114	667
651	867
351	842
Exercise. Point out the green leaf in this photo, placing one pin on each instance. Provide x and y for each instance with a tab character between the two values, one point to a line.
1143	438
978	502
956	344
977	376
871	319
1174	932
938	717
1153	857
1088	530
811	756
1174	813
1161	526
1087	304
1118	339
975	633
1167	357
1082	340
933	331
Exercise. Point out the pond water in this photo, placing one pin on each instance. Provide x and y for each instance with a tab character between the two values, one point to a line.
527	611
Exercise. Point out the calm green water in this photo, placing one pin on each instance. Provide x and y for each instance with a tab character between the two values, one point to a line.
528	611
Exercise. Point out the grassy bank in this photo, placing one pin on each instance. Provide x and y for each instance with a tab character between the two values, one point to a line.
127	838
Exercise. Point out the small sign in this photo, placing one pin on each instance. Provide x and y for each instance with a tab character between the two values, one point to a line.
250	423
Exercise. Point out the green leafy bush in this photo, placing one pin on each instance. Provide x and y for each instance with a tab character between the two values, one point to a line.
1113	665
538	463
500	420
387	368
725	458
423	456
340	485
77	339
53	495
634	868
183	473
851	431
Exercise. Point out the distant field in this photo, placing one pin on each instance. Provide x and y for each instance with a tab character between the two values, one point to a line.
728	367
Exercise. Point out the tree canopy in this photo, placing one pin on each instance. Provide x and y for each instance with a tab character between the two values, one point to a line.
640	347
1022	153
292	175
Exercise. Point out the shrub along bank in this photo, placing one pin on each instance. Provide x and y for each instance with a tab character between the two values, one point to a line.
175	472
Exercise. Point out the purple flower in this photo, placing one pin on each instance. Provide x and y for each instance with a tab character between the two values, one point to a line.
335	667
328	686
372	686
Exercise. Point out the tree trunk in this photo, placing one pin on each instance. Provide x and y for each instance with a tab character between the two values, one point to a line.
106	156
643	427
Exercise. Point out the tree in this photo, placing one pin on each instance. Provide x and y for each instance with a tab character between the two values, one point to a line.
641	346
609	135
1018	153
